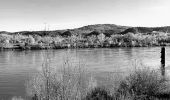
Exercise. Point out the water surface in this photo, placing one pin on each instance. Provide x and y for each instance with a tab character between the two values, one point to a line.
17	66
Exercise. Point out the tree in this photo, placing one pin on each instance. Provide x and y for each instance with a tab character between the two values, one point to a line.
101	38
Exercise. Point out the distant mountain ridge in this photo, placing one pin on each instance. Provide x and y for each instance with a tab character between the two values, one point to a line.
103	28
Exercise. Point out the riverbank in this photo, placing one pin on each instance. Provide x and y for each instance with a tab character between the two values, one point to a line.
69	46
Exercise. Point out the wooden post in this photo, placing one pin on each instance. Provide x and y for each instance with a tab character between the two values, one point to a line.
163	61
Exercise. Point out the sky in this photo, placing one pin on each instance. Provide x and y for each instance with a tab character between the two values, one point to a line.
34	15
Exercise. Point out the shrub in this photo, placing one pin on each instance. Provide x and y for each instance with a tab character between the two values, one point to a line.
142	84
99	93
75	83
70	83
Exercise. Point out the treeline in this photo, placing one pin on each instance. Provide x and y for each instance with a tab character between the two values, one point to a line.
91	36
93	39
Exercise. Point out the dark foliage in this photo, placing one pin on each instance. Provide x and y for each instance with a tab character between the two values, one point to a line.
129	30
93	33
99	94
66	34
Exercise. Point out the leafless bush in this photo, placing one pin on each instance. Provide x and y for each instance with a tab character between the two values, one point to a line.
68	83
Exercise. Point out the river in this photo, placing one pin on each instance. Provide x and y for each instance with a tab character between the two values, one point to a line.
17	66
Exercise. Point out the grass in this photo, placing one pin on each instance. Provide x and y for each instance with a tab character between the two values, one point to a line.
75	82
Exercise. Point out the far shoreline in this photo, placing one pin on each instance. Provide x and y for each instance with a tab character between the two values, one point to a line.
71	48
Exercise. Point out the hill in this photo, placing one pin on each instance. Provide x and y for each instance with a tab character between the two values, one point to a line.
135	30
101	28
